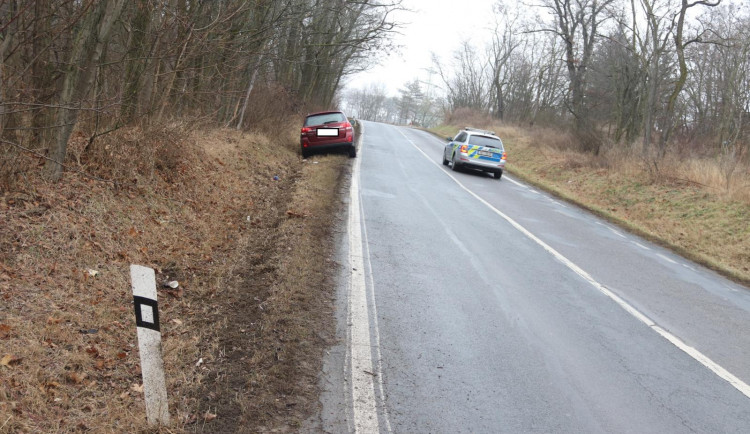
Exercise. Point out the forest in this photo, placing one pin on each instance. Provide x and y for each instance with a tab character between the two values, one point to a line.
97	65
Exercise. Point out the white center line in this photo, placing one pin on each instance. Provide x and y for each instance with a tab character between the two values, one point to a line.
738	384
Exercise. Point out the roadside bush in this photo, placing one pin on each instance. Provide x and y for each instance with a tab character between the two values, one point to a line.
164	150
467	117
269	107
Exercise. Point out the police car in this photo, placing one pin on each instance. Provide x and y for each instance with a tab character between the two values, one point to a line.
476	149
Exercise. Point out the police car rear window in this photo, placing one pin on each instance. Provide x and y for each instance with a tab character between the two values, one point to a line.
489	142
323	119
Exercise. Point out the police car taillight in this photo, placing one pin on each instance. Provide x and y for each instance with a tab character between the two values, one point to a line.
505	156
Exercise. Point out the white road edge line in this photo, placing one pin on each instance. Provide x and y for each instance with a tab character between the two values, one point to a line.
738	384
641	245
666	258
364	404
378	355
516	182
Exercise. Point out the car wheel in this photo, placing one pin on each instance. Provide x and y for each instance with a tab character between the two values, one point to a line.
454	165
498	175
352	151
445	160
305	153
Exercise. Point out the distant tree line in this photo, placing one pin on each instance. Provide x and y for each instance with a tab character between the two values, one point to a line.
637	72
109	63
416	104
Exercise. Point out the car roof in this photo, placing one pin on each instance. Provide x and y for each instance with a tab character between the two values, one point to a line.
478	132
324	113
491	136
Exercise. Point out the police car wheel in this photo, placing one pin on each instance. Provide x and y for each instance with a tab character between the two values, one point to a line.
445	160
498	175
454	166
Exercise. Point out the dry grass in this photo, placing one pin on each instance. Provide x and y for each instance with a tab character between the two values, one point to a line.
688	204
202	209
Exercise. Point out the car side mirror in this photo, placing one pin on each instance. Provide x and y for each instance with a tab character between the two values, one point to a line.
450	139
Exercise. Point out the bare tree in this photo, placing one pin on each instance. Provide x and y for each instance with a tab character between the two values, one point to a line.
90	40
576	23
504	42
680	44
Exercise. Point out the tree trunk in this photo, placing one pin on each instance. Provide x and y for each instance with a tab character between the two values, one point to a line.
87	49
178	64
680	83
138	50
249	90
6	41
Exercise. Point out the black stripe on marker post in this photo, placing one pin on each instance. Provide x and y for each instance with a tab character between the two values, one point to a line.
139	301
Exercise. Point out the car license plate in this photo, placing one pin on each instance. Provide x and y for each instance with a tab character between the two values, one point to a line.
485	154
328	132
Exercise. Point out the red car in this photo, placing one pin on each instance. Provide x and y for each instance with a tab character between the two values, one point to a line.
327	131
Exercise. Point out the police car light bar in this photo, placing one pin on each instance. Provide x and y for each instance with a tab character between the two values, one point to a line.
480	131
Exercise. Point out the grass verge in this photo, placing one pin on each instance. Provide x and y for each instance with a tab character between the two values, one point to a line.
688	206
236	218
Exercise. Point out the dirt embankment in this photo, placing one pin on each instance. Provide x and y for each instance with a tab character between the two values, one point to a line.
237	219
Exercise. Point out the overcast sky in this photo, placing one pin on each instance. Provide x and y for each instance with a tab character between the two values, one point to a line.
436	26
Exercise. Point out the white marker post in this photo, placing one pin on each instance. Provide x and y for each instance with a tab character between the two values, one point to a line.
143	281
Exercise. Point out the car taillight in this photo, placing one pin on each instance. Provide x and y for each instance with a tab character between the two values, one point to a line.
505	156
464	149
306	130
348	126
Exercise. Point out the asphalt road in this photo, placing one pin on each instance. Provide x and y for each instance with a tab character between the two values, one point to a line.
469	304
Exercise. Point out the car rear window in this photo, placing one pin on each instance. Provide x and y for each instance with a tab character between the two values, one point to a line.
490	142
325	118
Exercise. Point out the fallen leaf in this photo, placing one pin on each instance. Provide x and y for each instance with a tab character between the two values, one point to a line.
176	293
10	360
125	394
177	321
91	272
200	362
92	351
76	377
138	388
294	214
5	331
121	355
209	417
